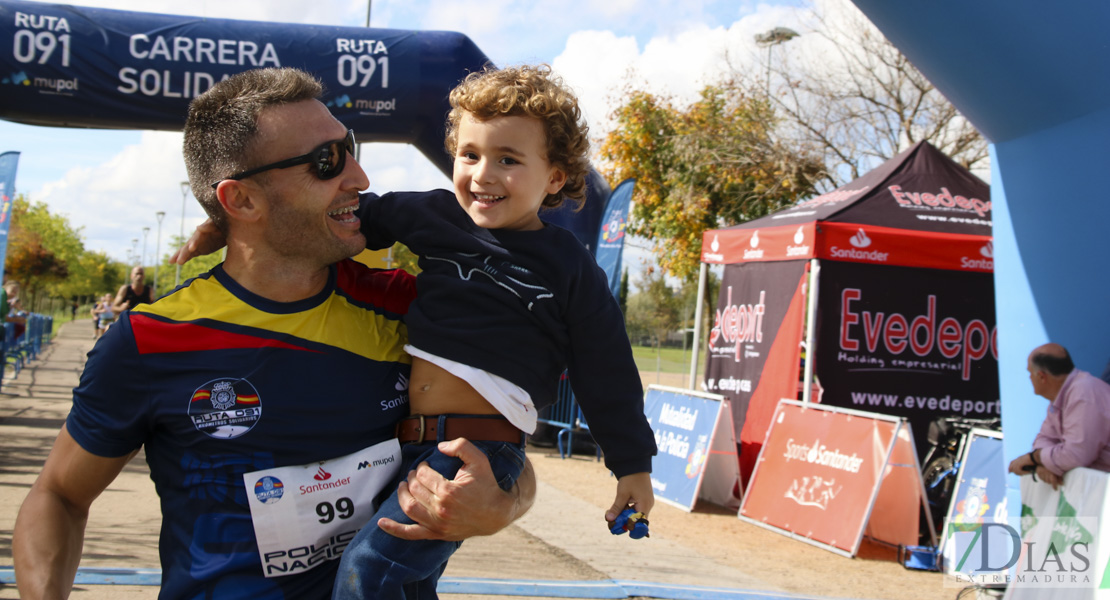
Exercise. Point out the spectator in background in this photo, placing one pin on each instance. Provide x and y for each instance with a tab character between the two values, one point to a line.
14	312
136	293
104	314
1076	430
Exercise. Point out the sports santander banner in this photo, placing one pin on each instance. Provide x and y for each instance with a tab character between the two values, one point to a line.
818	475
8	163
908	342
754	346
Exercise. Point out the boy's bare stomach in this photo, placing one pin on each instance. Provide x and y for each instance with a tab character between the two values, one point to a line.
434	391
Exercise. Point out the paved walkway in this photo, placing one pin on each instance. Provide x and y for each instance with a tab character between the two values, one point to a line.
548	553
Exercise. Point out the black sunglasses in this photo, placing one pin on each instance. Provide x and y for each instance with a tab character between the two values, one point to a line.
327	160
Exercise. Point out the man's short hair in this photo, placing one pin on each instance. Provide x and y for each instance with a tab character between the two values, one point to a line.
223	122
529	92
1053	364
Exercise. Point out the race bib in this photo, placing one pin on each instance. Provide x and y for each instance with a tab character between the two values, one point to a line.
307	514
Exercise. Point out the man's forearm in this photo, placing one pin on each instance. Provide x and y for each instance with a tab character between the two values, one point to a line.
46	545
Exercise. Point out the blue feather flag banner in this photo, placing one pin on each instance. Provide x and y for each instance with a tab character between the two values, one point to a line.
610	238
8	163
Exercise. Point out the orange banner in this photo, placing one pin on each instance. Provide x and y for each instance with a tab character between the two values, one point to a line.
818	474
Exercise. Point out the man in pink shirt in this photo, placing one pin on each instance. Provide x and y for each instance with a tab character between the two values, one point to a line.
1076	430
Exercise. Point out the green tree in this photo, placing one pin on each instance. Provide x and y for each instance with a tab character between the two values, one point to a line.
92	275
655	311
167	271
711	164
688	300
41	249
622	292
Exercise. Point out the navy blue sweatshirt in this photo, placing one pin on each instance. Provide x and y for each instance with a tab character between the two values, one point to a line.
523	305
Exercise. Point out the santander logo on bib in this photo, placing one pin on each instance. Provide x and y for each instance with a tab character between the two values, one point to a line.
321	475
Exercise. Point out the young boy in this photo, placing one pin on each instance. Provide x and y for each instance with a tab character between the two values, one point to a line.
504	304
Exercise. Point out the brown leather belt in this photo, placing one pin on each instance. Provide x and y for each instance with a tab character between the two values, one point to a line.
487	428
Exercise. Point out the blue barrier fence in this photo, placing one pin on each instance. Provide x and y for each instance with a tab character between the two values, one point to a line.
567	417
24	340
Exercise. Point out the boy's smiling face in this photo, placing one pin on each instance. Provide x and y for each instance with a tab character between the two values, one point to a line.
501	172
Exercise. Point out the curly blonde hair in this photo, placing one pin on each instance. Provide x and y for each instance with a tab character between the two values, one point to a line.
529	91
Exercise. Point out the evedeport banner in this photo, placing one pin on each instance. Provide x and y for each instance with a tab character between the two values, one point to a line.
909	342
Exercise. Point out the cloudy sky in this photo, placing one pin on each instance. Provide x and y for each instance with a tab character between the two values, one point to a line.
111	183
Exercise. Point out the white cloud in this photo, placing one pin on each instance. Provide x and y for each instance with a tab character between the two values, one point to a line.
601	65
595	64
112	201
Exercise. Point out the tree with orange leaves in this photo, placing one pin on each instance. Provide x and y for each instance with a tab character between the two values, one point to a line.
711	164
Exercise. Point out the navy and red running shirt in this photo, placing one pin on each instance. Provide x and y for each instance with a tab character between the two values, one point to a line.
214	381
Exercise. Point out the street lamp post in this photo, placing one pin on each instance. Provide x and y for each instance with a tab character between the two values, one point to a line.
184	196
158	249
142	260
134	253
771	38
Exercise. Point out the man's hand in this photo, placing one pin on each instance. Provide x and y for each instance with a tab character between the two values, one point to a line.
470	505
1049	477
635	490
206	239
1021	465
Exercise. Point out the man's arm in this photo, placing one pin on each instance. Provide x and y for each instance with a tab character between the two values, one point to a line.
1084	426
469	505
119	303
50	529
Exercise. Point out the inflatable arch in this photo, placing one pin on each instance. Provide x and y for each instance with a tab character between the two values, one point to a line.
1036	82
72	66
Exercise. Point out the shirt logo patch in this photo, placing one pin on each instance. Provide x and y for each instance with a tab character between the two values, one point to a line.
269	489
225	408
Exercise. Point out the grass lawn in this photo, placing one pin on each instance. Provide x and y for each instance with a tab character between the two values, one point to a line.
665	360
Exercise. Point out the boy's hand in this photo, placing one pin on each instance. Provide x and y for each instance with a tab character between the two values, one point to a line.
635	490
206	239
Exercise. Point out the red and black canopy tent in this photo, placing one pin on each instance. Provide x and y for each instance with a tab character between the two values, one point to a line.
896	268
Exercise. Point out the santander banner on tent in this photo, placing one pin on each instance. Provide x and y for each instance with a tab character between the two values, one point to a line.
918	209
852	242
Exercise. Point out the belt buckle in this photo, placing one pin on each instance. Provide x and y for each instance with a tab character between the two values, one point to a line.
423	431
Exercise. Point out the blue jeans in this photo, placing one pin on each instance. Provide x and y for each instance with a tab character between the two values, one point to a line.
382	567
